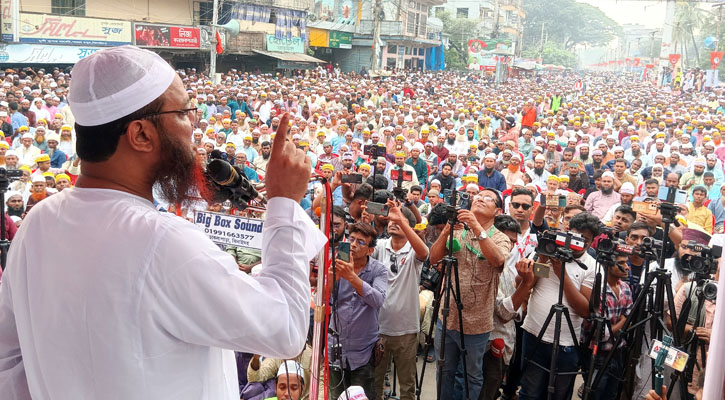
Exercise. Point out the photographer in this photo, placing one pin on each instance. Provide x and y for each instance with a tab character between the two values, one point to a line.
481	252
403	254
361	288
578	284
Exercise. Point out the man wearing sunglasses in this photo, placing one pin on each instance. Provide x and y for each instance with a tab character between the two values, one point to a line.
403	253
481	251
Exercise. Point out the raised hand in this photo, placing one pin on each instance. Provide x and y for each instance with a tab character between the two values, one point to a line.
288	171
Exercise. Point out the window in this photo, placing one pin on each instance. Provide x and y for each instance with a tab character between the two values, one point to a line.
461	13
392	49
410	22
408	51
68	7
415	51
422	27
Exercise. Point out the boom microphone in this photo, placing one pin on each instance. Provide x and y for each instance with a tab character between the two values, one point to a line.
232	183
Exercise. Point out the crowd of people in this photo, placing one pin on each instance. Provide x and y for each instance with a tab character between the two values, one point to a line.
528	156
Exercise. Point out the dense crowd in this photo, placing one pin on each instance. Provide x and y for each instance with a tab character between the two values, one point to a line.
528	156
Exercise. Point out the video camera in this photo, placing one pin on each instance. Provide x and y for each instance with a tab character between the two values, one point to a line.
400	176
429	276
374	151
554	244
703	263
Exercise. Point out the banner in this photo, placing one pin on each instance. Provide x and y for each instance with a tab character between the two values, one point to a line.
8	21
715	57
230	230
481	53
167	36
674	58
43	54
294	45
54	29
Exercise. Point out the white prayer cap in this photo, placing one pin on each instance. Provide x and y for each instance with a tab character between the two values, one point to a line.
27	135
291	367
608	174
353	393
38	178
627	188
12	193
11	153
114	82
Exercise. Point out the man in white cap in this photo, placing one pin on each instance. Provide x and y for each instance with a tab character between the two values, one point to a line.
600	201
695	177
27	151
154	309
539	175
290	381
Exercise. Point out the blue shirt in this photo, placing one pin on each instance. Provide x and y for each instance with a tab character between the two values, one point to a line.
18	120
495	181
357	316
718	211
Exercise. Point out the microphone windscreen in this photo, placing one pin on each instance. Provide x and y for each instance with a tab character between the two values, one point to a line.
219	171
215	154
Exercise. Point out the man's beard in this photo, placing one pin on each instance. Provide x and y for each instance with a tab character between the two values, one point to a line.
15	211
607	191
488	170
673	164
678	264
584	156
636	152
266	156
178	175
24	109
38	196
451	141
255	140
699	173
539	171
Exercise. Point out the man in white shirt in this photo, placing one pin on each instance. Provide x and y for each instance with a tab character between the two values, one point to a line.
133	303
403	255
578	284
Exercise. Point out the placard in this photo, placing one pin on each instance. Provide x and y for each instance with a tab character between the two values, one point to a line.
56	29
340	40
230	230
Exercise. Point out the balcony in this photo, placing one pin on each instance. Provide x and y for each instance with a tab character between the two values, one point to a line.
301	5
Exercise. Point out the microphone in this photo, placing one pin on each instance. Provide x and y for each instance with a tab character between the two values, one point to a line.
232	183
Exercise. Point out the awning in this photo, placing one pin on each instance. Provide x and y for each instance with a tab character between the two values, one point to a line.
298	57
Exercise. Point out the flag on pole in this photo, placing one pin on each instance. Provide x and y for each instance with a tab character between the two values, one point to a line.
219	47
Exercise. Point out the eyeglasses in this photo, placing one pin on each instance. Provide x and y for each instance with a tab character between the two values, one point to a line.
525	207
182	112
360	242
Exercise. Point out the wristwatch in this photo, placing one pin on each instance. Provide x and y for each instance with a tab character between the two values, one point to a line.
483	235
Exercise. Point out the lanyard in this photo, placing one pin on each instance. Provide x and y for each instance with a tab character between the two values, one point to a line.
472	249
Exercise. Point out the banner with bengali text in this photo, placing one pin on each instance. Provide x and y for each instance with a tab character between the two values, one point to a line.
166	36
56	29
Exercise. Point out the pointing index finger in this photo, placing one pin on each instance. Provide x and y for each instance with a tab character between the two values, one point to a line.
280	137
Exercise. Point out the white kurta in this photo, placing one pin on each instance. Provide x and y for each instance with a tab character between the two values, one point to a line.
123	302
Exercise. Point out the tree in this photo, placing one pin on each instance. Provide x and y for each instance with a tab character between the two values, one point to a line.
553	53
689	19
567	22
459	31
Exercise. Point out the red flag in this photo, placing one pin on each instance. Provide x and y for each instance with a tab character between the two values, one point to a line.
219	47
715	57
636	62
674	58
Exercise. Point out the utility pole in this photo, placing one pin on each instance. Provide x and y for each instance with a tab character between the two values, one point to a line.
541	47
212	41
376	34
652	47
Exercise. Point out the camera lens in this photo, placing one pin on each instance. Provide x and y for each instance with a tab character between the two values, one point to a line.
709	291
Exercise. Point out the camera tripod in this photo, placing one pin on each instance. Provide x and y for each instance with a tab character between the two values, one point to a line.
447	286
692	344
654	311
600	324
556	312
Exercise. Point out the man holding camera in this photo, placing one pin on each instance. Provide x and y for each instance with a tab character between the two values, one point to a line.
403	254
402	168
481	252
361	287
578	283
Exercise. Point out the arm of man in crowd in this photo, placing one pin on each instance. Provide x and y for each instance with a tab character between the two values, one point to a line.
538	218
438	250
507	308
578	298
418	245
